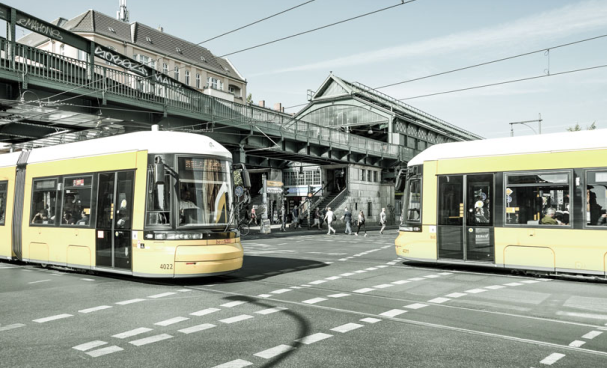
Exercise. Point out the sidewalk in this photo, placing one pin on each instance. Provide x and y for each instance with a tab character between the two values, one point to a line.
340	227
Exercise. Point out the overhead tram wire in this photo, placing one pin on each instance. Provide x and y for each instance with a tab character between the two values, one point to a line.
319	28
493	61
505	82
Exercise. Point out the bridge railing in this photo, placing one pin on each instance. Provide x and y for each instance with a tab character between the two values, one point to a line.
73	72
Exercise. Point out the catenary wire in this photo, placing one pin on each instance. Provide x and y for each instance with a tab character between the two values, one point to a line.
505	82
318	28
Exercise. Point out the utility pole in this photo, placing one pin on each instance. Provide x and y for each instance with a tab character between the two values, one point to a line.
539	121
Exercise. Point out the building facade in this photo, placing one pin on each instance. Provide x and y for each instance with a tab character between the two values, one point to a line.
182	60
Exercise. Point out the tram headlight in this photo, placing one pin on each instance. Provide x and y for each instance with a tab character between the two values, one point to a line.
187	236
197	236
160	236
410	228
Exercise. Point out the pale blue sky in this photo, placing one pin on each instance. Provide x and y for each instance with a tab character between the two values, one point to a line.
409	41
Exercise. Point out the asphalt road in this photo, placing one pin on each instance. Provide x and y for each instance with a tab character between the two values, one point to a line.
303	301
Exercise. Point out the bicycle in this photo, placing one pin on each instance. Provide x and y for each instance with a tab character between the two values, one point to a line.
243	227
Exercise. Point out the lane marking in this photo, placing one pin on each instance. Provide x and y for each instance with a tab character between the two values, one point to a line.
317	282
530	281
383	286
89	345
125	302
235	303
393	313
439	300
370	269
271	310
132	333
52	318
416	279
577	343
238	363
311	339
591	335
513	284
87	279
150	340
583	315
242	317
104	351
445	273
552	358
370	320
495	287
475	291
184	290
295	287
202	327
347	327
171	321
160	295
360	271
277	350
95	309
365	290
338	295
456	295
431	276
400	282
37	282
280	291
264	295
11	327
416	306
205	312
314	301
333	278
347	274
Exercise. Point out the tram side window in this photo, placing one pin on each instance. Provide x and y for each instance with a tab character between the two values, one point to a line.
159	203
538	199
77	201
44	202
3	188
413	199
596	198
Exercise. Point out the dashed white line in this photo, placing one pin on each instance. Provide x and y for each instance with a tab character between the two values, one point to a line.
314	338
445	273
314	301
393	313
131	333
160	295
513	284
341	295
530	281
360	271
104	351
264	295
383	286
295	287
456	295
171	321
11	327
577	343
37	282
370	320
400	282
89	345
364	290
475	291
95	309
151	339
202	327
333	278
370	269
439	300
347	274
205	312
87	279
416	279
431	276
242	317
52	318
347	327
416	306
233	304
238	363
125	302
317	282
184	290
552	358
277	350
270	310
591	335
495	287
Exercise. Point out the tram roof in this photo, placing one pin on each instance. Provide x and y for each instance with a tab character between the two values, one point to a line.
153	142
545	143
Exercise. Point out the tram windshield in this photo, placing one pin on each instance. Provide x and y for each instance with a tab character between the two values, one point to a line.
204	191
412	201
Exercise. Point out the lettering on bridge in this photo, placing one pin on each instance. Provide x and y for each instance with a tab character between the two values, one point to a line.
38	27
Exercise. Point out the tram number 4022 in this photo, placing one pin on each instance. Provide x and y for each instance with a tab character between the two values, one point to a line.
166	266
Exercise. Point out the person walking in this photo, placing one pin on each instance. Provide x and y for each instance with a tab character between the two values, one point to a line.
283	217
361	223
295	221
253	216
382	220
347	217
329	217
317	218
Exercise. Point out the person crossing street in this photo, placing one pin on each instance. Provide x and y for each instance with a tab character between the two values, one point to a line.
382	220
347	217
329	217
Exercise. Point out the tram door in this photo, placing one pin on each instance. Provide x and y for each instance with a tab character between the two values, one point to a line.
114	213
465	217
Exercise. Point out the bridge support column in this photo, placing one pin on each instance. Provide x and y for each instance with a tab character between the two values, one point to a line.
11	36
239	156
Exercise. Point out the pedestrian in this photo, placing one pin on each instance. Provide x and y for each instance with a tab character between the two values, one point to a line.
347	217
253	216
361	223
283	218
382	220
316	218
295	217
329	216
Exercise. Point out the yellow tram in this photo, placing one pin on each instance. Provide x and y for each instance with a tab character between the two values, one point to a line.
531	203
148	204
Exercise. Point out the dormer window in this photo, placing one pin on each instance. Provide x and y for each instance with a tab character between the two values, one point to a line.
203	59
178	50
111	29
148	39
227	70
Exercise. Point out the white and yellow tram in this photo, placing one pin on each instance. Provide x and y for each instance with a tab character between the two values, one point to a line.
148	204
531	203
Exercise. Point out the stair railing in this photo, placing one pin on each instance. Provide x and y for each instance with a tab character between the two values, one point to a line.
339	197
